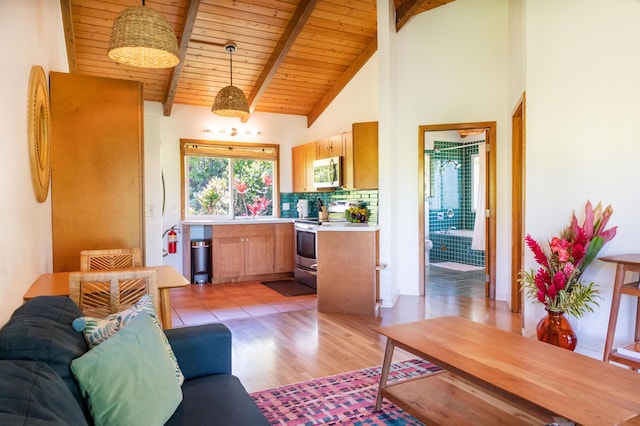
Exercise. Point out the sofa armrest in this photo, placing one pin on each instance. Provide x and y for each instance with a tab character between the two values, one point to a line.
201	350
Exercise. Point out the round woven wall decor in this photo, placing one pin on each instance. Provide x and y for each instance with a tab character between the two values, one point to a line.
39	124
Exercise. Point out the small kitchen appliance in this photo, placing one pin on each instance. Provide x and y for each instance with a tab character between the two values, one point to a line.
327	173
303	208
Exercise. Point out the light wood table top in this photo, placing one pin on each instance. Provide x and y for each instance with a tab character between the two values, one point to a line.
579	388
57	284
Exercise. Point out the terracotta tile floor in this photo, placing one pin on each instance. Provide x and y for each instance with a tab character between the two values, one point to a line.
206	303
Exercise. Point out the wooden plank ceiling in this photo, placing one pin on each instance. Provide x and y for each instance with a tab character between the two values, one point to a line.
292	57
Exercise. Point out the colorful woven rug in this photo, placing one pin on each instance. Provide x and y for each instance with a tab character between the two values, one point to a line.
345	399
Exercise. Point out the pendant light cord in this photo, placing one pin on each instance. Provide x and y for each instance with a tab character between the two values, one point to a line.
231	65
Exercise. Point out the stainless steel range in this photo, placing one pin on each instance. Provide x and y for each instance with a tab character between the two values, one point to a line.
306	261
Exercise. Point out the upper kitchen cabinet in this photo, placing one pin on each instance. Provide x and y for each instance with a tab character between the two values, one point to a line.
329	147
364	153
302	167
97	199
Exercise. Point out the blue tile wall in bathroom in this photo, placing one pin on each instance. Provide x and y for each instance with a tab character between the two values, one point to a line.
454	198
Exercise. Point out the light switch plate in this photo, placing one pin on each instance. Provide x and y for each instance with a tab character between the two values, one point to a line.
285	206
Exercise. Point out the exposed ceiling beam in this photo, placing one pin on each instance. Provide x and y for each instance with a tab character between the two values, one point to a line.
174	77
296	24
407	9
69	37
344	79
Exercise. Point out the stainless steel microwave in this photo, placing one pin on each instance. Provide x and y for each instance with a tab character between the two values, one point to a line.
327	172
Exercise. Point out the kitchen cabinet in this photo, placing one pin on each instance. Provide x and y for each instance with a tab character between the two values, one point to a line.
97	185
241	251
302	157
285	248
329	147
364	155
348	270
347	161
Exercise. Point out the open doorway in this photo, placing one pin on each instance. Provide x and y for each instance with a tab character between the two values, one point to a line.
457	193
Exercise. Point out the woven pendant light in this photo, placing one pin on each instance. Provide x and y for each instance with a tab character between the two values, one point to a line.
230	101
142	37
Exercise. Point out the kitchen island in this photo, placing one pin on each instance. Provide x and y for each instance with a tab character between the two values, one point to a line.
348	268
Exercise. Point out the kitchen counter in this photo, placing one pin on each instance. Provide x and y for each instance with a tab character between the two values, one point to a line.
347	227
246	221
348	268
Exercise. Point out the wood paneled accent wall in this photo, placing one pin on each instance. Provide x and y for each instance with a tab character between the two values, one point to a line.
97	186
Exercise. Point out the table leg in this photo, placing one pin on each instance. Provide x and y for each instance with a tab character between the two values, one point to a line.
384	374
165	308
615	307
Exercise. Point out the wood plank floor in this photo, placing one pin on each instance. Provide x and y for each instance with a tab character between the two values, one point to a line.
279	340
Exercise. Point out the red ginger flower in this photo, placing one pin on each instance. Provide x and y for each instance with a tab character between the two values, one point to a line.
537	251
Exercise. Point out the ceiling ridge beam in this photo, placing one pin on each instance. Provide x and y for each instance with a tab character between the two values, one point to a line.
406	10
69	37
295	26
174	76
344	79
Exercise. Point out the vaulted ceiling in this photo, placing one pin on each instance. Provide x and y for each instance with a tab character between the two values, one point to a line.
292	57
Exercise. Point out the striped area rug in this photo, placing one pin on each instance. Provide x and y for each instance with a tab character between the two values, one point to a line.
344	399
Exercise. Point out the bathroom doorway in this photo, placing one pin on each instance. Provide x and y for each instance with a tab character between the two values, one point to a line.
457	193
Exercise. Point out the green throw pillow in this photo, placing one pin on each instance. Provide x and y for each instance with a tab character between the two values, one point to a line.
98	330
129	378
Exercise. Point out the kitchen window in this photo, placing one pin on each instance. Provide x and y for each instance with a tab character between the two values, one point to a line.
226	180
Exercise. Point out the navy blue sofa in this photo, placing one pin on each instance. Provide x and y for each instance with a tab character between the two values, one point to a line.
37	387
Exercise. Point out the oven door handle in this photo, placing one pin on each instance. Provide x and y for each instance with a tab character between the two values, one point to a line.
314	266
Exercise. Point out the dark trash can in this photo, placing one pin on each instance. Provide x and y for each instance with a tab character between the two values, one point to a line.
200	261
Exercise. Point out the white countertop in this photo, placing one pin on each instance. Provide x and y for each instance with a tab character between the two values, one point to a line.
247	221
347	226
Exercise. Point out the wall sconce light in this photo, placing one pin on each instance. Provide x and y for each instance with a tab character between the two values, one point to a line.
233	131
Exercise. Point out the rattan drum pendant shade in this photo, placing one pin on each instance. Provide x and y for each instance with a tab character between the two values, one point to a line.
142	37
230	101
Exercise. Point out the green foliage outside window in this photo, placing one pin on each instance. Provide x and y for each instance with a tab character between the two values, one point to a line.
210	180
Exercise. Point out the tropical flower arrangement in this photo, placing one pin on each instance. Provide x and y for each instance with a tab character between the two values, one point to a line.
557	282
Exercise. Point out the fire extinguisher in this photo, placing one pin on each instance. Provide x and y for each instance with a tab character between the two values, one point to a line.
172	239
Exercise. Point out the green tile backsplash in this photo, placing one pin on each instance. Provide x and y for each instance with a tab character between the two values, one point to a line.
370	197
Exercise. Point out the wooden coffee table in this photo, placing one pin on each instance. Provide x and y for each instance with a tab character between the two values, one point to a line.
492	376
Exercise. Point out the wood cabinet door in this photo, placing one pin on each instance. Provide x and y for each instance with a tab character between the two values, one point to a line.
309	158
227	257
347	160
259	255
97	186
329	147
365	155
285	248
299	168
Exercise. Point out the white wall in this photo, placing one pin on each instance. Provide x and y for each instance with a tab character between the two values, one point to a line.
357	102
30	34
452	68
583	138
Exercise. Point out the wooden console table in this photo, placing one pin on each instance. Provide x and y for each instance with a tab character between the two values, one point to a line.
492	376
624	263
57	284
